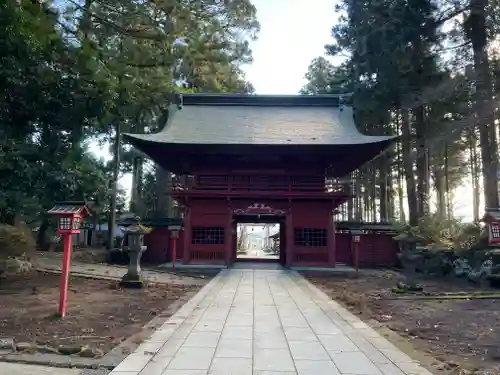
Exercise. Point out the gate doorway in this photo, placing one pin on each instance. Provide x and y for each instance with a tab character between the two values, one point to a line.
259	238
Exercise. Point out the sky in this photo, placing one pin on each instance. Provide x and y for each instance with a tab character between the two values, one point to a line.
293	32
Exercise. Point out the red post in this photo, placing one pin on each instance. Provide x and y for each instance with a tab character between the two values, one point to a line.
174	252
356	256
63	287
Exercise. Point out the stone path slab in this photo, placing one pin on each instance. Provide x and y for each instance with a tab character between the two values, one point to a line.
265	322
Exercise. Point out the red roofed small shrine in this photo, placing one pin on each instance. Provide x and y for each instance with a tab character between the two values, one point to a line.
260	159
492	219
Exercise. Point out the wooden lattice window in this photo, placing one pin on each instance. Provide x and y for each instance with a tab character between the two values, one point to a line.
311	237
207	235
495	230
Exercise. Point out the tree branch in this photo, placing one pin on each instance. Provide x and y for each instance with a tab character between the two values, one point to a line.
448	17
454	47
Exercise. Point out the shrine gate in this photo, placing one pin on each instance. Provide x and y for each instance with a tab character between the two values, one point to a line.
260	159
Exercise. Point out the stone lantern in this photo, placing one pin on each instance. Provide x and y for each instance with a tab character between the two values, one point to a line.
133	245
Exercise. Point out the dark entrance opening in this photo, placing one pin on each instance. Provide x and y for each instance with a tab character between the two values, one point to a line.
259	238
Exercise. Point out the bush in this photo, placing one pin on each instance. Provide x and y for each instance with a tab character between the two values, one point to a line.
468	236
16	242
434	232
14	266
17	245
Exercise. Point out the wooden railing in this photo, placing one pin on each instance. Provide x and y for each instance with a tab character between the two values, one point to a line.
255	183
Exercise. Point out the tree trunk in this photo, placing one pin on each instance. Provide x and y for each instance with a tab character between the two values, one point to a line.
135	200
401	200
114	185
85	26
350	202
408	169
400	180
163	192
373	193
42	240
350	209
163	178
358	213
366	203
422	163
440	185
390	194
476	30
383	178
474	167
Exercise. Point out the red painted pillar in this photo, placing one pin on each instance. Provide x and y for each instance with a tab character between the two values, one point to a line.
234	238
356	256
331	241
228	236
174	251
187	236
63	287
290	243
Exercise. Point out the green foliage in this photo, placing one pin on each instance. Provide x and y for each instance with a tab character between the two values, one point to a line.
68	77
402	85
434	232
15	241
149	197
468	236
48	105
325	78
409	234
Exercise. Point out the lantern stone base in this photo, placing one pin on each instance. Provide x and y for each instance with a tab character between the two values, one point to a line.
133	277
132	281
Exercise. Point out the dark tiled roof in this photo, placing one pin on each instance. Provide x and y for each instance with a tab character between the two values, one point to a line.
155	222
491	214
69	207
255	121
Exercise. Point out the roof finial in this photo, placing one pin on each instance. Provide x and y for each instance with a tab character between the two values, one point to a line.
344	97
176	99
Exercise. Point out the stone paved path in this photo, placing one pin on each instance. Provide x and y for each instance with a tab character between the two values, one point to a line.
262	322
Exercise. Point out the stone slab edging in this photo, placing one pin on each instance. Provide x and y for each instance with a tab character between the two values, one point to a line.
86	275
177	312
118	278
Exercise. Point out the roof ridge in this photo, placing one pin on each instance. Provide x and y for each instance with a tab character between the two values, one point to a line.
324	100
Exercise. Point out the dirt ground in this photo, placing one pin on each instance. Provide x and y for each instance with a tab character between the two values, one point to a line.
462	335
100	314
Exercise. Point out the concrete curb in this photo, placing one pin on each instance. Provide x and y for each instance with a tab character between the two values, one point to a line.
54	360
113	278
80	274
